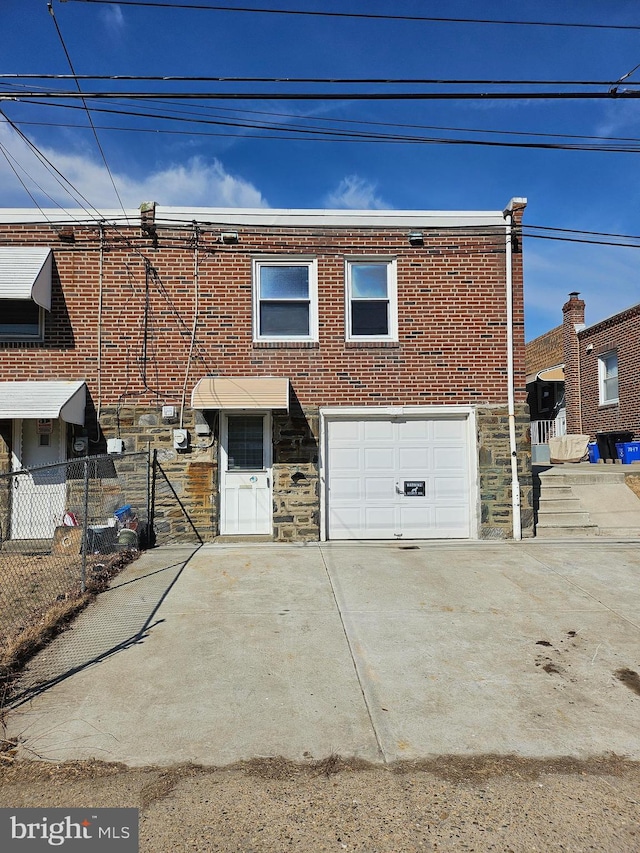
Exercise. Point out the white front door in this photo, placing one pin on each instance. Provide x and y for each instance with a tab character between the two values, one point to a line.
245	473
38	497
392	478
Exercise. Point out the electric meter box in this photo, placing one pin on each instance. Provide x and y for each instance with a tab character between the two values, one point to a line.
180	439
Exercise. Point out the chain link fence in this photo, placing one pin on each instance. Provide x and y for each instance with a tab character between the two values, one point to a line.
65	530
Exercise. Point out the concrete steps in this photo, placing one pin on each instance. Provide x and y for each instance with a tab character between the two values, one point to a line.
577	501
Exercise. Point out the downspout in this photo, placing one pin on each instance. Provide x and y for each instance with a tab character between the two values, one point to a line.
513	453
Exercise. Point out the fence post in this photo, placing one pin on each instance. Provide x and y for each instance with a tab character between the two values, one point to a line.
151	536
85	527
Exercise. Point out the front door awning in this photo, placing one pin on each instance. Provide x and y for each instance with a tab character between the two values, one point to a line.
55	399
25	273
241	392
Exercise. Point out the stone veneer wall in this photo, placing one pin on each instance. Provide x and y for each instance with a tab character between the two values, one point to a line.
192	500
494	469
296	492
186	484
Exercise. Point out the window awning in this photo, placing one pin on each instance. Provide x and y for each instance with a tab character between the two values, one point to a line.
25	273
241	392
54	399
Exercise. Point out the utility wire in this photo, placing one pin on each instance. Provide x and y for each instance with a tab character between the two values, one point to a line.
14	168
361	15
431	81
328	96
304	134
95	132
56	173
345	137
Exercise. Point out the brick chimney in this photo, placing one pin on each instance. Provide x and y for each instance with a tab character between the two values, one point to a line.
572	323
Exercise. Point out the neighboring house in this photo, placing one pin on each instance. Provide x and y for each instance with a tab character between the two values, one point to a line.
585	379
544	360
602	373
302	374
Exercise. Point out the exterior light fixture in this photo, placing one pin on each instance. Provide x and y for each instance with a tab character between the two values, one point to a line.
229	237
416	238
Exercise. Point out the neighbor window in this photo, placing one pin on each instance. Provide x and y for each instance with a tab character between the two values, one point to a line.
20	319
371	300
608	378
285	302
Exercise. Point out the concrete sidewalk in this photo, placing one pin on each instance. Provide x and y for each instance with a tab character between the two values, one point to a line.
382	651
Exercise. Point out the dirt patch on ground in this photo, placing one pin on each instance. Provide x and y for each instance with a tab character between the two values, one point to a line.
449	803
39	597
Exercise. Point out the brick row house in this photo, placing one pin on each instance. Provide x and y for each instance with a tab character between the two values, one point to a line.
586	377
303	375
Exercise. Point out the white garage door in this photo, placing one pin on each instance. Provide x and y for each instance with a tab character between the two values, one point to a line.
398	478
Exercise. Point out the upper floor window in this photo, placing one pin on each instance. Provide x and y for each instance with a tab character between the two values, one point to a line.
608	378
285	300
372	306
21	319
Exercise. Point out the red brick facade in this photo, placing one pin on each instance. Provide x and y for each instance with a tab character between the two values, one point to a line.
451	308
619	334
141	314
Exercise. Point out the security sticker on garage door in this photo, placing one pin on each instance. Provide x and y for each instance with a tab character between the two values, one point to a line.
414	488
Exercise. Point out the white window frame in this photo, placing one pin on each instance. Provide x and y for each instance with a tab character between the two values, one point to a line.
17	335
312	265
392	296
602	377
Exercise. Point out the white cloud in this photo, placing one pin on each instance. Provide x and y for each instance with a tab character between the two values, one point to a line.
605	276
355	193
113	17
196	181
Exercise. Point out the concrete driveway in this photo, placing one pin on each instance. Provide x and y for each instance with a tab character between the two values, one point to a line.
382	651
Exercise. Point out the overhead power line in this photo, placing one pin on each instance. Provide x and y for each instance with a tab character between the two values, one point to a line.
95	133
360	15
378	81
301	134
328	96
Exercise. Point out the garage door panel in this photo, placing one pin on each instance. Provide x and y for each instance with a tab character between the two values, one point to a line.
380	456
448	488
379	459
412	459
374	430
347	489
449	430
448	517
449	459
345	459
409	430
345	430
379	488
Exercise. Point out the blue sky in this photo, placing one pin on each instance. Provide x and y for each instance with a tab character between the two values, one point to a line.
230	166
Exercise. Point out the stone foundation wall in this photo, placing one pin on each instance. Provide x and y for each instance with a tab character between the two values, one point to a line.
187	496
296	492
186	504
494	469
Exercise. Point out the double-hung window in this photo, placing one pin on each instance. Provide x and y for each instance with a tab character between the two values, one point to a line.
371	297
285	300
608	378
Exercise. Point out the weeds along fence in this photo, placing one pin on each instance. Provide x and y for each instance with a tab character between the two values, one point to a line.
66	528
